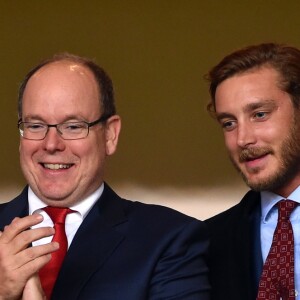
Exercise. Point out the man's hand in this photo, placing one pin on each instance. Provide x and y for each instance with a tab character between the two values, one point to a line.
18	261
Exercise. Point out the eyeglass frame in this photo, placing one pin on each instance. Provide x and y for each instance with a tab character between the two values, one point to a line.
102	119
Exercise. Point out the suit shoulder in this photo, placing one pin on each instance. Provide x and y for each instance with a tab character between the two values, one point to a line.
245	207
164	226
137	208
12	204
151	217
154	211
17	207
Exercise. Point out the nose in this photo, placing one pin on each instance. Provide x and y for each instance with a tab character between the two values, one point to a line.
53	141
245	135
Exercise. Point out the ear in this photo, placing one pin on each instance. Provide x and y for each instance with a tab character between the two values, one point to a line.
112	131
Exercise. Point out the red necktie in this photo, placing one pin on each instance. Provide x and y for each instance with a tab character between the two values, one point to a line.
49	272
277	279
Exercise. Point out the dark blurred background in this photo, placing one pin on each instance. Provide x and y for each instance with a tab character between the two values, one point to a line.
157	53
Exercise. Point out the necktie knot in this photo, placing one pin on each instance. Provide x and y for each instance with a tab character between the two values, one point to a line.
58	214
285	208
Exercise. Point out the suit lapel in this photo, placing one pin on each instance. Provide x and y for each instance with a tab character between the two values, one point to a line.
256	254
92	245
248	238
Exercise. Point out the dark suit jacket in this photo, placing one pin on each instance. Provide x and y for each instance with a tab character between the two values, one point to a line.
127	250
235	260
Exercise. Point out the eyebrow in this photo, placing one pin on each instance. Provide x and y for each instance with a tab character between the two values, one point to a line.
41	119
270	103
262	103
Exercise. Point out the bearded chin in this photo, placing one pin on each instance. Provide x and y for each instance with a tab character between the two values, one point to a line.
273	182
289	167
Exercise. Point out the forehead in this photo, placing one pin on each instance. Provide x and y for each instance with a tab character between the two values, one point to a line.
62	72
241	89
62	85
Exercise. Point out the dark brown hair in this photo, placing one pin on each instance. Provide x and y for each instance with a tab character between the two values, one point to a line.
284	59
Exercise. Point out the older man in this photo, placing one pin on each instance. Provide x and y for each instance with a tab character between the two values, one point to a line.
109	248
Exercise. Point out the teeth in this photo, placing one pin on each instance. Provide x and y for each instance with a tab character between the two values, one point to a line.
56	166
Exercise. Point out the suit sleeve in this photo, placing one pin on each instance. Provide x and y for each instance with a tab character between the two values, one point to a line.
181	271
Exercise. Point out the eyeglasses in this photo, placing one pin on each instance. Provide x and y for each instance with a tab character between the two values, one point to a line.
68	131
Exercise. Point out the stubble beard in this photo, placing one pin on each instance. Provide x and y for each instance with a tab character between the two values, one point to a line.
289	162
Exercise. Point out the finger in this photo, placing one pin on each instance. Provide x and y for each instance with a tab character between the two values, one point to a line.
30	257
15	254
18	225
25	238
34	266
14	278
30	261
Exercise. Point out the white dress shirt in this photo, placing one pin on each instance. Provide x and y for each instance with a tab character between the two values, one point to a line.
268	224
73	220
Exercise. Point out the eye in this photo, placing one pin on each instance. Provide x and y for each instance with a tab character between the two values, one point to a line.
33	127
73	127
260	115
228	125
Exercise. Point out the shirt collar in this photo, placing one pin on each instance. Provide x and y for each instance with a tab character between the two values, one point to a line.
83	207
269	199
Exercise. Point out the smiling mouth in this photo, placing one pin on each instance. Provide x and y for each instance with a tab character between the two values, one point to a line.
247	159
249	155
57	166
